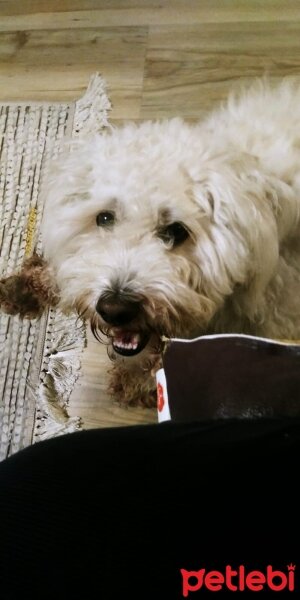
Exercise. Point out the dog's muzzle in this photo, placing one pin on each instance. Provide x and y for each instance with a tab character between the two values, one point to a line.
120	314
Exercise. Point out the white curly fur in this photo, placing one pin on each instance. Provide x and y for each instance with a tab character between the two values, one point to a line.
232	180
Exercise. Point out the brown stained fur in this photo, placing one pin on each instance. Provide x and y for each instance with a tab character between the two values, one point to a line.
29	292
132	387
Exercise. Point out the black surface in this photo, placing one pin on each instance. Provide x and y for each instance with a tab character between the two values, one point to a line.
116	513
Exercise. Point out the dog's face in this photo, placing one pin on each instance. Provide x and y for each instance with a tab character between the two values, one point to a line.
141	244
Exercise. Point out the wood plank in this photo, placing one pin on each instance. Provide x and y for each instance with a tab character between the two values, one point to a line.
58	65
39	14
189	70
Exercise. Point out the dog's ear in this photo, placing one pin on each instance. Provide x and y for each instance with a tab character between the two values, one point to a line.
29	292
244	214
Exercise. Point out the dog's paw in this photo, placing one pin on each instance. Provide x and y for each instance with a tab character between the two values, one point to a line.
29	292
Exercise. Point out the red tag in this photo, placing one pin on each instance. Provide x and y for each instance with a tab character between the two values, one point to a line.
160	397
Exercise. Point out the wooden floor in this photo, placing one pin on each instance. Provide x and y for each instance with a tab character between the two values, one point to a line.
160	58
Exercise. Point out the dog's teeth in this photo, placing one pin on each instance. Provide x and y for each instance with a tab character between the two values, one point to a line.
126	346
128	342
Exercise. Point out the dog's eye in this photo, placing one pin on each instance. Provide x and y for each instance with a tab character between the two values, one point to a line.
174	234
105	218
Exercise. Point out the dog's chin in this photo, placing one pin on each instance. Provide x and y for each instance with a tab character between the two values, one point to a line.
129	343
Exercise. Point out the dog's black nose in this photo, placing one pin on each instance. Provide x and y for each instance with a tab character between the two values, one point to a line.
116	311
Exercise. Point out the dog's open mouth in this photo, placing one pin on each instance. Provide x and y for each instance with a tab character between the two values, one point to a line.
129	343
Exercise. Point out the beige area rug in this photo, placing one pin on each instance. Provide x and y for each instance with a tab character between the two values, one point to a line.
39	360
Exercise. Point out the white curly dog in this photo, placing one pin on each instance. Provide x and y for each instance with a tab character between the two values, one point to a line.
177	229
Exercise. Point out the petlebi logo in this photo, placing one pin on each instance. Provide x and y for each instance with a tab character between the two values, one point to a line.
239	579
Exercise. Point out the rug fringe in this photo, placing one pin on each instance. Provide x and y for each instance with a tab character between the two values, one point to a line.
91	111
60	371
